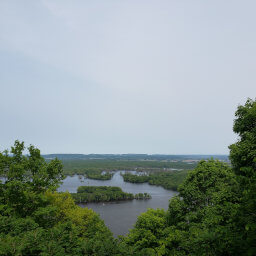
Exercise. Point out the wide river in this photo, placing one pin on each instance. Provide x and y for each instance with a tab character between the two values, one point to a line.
120	216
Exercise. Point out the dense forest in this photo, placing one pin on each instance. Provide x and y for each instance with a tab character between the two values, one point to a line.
213	214
87	194
166	179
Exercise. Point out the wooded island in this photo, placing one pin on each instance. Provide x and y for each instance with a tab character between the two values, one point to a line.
87	194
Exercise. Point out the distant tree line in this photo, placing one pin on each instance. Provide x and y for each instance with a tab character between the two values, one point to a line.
89	167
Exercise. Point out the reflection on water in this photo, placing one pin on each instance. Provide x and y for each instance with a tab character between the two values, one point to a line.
121	216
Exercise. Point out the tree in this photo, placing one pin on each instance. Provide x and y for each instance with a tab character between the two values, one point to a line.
243	159
148	235
26	178
36	220
200	215
199	220
214	213
243	153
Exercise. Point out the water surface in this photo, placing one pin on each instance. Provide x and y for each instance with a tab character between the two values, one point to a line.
120	216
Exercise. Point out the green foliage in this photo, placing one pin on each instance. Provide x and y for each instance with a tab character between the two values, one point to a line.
148	235
208	184
243	153
198	218
31	170
243	159
34	220
73	231
26	179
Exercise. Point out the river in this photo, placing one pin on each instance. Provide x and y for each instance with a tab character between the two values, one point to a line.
120	216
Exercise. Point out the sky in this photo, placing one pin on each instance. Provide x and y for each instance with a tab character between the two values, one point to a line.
130	76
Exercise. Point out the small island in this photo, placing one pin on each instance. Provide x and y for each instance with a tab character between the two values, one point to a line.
88	194
98	175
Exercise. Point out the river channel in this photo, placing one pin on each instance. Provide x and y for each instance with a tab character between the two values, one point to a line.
120	216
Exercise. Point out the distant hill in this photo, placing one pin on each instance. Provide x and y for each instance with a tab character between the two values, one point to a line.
135	157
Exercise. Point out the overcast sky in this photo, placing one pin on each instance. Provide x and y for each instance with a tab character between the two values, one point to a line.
125	76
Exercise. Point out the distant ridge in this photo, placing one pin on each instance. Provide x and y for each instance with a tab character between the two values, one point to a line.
134	157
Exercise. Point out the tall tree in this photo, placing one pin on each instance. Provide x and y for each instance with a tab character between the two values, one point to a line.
35	220
243	159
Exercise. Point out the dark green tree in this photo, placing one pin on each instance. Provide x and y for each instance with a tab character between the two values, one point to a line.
198	219
243	159
243	152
